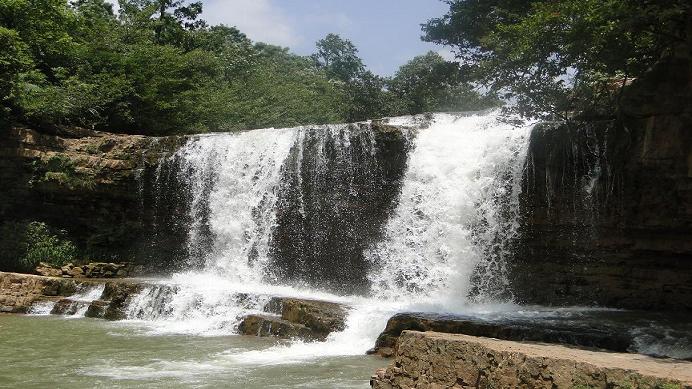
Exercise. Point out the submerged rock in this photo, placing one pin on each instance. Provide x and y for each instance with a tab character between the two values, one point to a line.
436	360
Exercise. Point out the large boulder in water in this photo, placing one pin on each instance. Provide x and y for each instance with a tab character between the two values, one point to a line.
266	325
296	318
322	317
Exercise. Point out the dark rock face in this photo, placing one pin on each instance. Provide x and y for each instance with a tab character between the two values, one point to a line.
608	205
93	185
565	333
339	186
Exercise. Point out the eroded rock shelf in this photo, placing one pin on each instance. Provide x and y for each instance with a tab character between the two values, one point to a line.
437	360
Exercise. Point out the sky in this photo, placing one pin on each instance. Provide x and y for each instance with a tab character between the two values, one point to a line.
386	32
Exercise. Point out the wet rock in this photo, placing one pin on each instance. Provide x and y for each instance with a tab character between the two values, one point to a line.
266	325
322	317
296	318
605	204
119	294
510	329
99	205
19	291
67	307
97	309
435	360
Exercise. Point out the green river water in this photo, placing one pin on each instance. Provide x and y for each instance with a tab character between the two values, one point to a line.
58	352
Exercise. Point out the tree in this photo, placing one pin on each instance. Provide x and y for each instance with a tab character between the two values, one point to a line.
554	57
368	98
339	58
428	83
14	61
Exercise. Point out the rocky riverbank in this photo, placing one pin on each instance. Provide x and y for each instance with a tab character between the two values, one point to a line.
436	360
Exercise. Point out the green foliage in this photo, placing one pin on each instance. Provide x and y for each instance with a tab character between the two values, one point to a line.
668	386
44	246
339	58
24	244
155	68
60	170
428	83
560	56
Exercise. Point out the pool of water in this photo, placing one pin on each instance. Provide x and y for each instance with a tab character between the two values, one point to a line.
50	351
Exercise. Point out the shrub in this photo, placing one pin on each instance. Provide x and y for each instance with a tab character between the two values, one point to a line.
43	246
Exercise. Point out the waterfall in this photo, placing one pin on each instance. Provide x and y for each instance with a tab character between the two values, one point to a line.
462	174
381	216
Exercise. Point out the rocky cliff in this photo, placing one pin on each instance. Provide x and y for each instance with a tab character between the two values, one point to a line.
607	204
90	184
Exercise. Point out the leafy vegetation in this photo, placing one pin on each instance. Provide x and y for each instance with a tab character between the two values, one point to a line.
60	169
156	68
44	246
24	244
557	57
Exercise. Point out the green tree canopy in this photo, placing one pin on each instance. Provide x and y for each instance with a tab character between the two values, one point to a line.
339	58
428	83
558	56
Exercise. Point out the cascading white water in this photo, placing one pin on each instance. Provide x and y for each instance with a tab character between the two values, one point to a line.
460	170
234	177
458	177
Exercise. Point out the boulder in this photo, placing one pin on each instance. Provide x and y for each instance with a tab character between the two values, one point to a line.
119	294
322	317
436	360
67	307
47	270
91	270
289	317
97	309
267	325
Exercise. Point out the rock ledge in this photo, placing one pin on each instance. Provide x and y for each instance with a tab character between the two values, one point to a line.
437	360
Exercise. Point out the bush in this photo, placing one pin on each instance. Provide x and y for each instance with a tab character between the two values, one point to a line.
43	246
